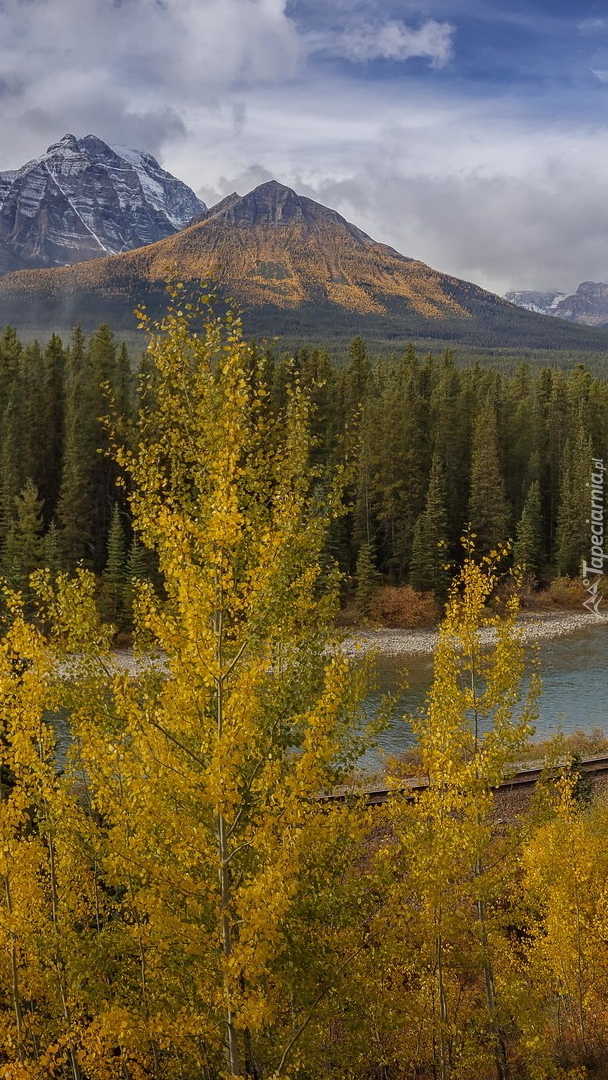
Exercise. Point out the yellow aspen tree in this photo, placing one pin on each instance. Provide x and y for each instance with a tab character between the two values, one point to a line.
565	964
454	868
205	772
44	878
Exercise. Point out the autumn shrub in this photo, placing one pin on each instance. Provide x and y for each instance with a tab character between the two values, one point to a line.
569	592
403	608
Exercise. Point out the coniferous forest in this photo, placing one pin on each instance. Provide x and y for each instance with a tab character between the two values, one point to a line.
432	450
198	889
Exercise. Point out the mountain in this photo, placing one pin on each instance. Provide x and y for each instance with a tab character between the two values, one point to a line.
588	306
299	270
544	303
84	200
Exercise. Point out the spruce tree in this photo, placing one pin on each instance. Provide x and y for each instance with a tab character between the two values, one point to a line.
137	571
23	549
528	552
573	531
53	422
488	512
51	550
114	574
430	544
367	578
75	502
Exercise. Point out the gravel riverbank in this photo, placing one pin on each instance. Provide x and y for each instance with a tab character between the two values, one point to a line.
536	626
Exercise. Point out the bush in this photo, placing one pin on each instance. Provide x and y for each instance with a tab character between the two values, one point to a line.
403	608
570	592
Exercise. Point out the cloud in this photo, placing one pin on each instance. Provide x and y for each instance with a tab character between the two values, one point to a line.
395	41
602	75
592	26
501	232
132	68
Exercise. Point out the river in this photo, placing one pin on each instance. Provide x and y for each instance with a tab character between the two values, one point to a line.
574	673
573	669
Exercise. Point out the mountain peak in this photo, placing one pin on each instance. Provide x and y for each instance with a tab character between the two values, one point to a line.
68	142
275	204
83	199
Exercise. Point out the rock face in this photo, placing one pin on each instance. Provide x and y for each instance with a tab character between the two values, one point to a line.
83	200
588	306
544	303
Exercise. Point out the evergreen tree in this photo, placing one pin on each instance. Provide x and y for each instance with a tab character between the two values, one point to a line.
114	574
75	502
51	550
137	571
527	551
430	544
573	529
53	422
488	511
23	549
367	578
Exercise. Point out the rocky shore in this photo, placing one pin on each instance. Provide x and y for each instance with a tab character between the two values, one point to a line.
536	626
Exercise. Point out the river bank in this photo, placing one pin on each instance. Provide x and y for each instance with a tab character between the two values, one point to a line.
535	626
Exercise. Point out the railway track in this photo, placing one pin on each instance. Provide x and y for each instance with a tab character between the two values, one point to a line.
593	767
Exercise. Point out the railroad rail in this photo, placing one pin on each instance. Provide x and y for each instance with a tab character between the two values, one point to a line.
593	767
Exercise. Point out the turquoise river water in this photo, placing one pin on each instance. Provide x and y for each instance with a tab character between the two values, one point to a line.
574	673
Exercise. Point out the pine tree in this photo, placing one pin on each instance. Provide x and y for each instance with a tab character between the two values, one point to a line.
53	422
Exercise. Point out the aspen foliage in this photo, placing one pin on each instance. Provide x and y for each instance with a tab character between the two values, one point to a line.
178	900
452	870
206	774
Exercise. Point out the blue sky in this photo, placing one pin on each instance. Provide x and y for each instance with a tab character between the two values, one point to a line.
470	134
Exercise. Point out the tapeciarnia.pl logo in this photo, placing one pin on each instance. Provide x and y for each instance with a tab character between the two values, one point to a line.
596	565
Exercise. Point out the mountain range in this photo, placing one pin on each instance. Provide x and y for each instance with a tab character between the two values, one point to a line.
588	306
88	232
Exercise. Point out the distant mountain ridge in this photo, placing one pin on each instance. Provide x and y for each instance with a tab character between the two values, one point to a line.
298	269
588	306
83	200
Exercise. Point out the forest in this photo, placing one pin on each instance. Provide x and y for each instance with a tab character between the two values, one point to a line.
178	900
432	449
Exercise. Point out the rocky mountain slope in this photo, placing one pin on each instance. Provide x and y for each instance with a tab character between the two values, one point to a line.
588	306
83	200
298	269
543	303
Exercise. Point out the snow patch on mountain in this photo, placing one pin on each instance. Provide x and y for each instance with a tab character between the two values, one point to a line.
544	303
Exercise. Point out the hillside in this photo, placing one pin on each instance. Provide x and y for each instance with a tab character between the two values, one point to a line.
298	269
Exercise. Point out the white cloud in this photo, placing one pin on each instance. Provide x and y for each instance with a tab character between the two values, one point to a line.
130	69
592	26
489	198
602	75
395	41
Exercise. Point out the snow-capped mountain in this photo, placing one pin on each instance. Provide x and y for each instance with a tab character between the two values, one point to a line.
588	306
544	303
84	199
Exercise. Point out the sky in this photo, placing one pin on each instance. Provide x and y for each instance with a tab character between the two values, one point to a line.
470	134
